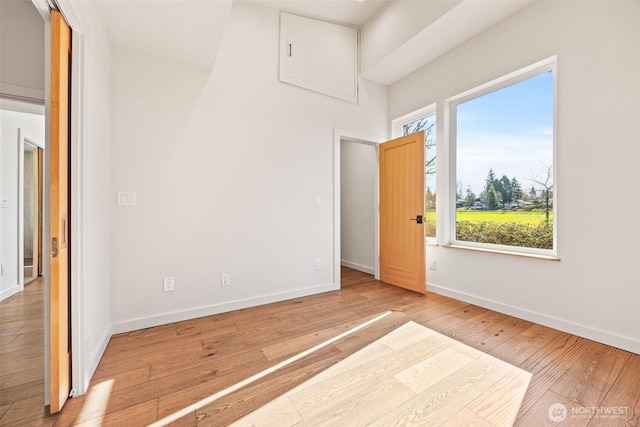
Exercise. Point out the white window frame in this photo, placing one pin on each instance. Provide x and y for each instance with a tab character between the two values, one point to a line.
546	65
396	132
396	124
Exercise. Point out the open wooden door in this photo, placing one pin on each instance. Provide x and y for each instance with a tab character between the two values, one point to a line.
402	247
60	364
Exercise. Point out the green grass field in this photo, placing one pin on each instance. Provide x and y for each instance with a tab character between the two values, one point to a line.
501	217
496	216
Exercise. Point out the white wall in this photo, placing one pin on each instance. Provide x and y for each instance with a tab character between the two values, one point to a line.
358	186
91	205
594	291
226	166
31	123
22	48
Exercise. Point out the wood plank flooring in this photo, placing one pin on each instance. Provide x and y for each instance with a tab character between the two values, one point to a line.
147	375
413	375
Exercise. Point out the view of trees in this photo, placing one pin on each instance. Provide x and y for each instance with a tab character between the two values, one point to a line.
524	218
526	214
428	125
507	193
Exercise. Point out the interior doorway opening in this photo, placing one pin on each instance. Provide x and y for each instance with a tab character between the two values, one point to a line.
356	143
32	190
358	205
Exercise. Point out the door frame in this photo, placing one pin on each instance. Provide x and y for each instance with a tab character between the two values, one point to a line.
79	382
22	142
340	135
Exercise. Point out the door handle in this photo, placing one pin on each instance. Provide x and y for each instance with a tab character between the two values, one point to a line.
417	219
54	247
64	231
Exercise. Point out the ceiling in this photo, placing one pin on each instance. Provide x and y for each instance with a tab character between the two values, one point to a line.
352	13
190	31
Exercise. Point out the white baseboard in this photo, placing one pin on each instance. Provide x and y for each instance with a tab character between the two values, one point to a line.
11	291
178	316
94	360
584	331
359	267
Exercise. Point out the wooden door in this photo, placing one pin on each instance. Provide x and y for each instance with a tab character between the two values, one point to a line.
60	345
402	244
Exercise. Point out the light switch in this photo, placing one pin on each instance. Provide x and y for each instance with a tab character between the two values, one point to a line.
126	198
317	202
4	202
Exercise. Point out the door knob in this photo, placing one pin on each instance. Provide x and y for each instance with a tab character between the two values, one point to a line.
417	219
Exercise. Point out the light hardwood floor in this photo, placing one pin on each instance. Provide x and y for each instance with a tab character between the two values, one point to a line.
413	375
149	374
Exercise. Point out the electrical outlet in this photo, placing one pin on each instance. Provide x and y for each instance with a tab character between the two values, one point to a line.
224	279
432	264
169	284
317	264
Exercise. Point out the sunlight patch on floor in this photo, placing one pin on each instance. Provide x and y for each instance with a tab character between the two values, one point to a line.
208	400
97	400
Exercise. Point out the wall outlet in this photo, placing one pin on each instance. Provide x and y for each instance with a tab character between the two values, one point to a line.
316	264
169	284
432	264
224	279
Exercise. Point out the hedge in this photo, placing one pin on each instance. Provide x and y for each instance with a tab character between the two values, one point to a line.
507	233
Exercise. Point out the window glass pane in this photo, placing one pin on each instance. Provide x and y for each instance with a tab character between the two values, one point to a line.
428	124
504	165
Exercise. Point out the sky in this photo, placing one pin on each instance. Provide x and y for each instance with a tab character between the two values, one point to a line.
509	131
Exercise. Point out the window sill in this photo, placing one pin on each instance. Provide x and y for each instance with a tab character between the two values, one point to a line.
496	251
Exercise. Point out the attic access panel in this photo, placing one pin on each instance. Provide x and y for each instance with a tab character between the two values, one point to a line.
319	56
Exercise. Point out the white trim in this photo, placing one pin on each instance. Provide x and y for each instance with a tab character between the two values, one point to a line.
359	267
178	316
46	207
340	135
9	292
79	369
21	141
94	360
450	110
22	93
606	337
396	124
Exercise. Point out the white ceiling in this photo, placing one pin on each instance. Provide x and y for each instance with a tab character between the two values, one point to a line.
190	31
352	13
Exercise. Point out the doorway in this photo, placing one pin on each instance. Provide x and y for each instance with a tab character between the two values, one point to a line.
356	144
358	194
32	186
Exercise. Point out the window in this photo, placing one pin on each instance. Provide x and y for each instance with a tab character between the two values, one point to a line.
502	141
424	119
